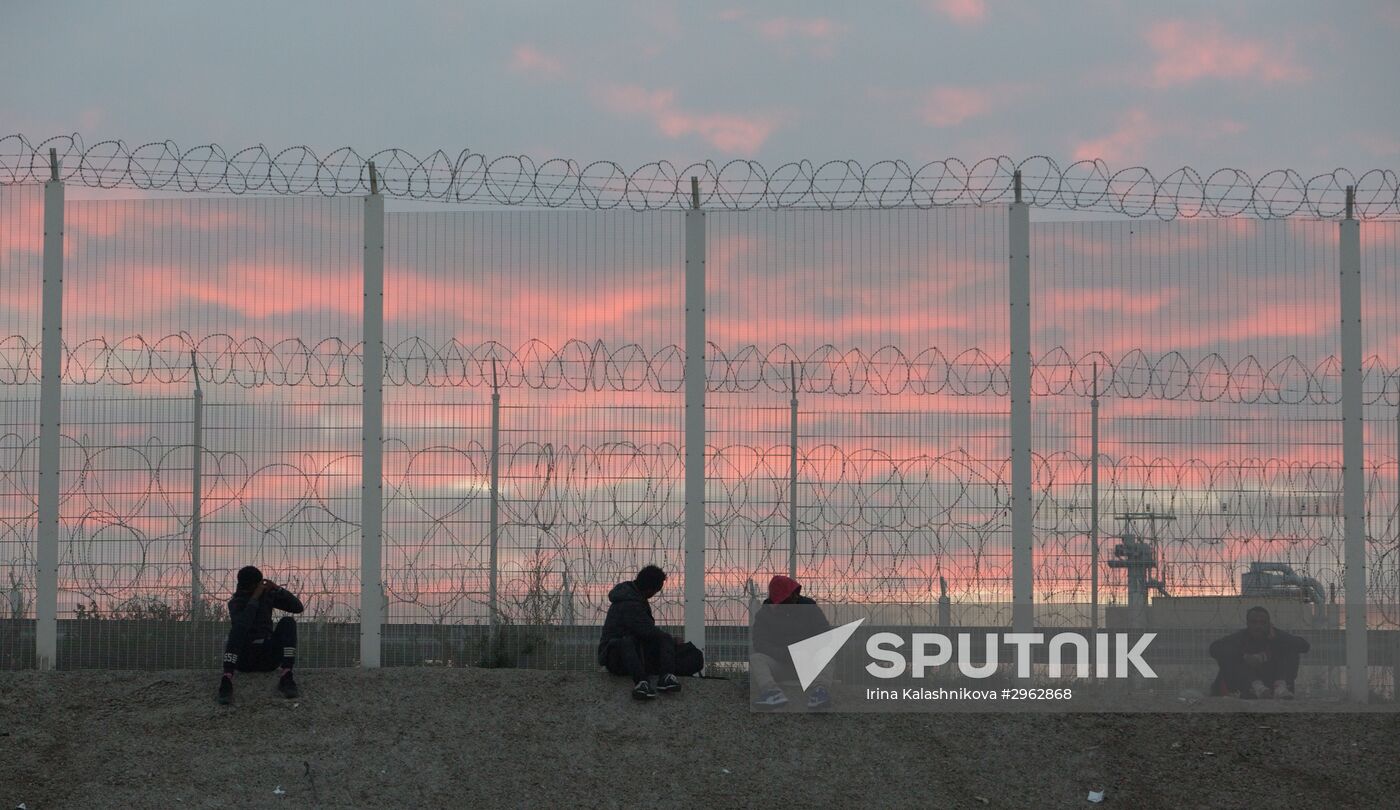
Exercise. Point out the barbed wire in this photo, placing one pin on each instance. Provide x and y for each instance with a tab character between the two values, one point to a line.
736	185
869	519
580	365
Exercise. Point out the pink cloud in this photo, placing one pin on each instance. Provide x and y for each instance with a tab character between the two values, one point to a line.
414	297
1390	15
530	60
819	33
1380	144
564	313
1188	52
962	12
1050	238
728	132
91	219
949	106
1107	299
22	223
783	28
92	118
1123	145
248	289
1186	321
1285	319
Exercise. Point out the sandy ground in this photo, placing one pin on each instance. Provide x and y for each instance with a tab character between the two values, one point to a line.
403	738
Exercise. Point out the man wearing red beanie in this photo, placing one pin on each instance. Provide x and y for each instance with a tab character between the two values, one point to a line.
773	630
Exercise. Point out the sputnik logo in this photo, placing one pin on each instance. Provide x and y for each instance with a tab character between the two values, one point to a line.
811	655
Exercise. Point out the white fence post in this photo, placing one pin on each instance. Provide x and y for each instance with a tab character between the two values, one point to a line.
1353	456
1094	509
792	480
695	420
494	505
50	420
1022	551
196	494
372	433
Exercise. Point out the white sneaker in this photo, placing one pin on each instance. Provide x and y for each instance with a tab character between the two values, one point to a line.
771	699
1281	690
1259	690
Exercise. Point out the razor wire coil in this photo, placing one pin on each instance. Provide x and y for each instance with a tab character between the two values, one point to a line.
470	177
580	365
867	515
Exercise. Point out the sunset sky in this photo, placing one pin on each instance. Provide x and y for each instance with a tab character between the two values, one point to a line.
898	318
1257	85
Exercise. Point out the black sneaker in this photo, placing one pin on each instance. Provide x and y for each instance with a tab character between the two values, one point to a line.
643	691
668	683
225	691
287	686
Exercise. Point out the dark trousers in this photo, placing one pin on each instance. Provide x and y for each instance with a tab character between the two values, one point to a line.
246	654
1236	675
637	659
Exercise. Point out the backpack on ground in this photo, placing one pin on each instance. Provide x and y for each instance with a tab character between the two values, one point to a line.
689	659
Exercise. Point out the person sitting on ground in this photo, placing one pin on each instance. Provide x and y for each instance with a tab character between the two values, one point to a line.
632	644
254	645
1259	661
786	617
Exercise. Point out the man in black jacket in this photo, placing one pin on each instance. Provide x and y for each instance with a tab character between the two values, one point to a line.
786	617
1259	661
632	644
254	645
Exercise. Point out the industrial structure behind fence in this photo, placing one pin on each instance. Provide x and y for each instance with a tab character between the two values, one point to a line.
452	432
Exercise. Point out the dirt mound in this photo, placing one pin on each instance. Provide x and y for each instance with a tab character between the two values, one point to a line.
512	738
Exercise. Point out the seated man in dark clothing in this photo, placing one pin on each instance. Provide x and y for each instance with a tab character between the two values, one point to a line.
1259	661
632	644
786	617
254	645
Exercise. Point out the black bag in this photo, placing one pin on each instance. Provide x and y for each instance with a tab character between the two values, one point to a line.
689	659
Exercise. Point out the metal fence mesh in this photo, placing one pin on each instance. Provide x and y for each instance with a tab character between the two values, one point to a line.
1380	323
1210	347
891	327
576	319
21	288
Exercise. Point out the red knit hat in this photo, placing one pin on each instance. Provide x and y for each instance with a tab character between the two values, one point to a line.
781	588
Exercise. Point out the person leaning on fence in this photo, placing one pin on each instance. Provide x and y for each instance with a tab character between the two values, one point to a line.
786	617
632	644
254	645
1259	661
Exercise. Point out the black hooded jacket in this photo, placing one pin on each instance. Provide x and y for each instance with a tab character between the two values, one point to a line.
257	613
629	616
1278	645
777	626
